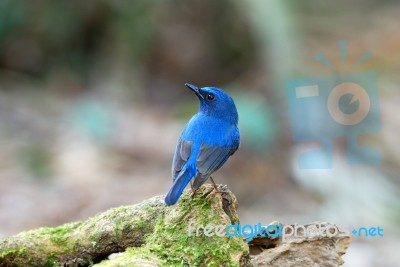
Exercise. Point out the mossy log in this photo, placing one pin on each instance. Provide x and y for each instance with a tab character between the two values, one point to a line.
152	234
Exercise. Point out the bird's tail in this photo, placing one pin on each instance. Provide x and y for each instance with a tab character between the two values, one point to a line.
178	186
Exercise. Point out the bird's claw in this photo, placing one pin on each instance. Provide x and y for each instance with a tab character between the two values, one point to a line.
193	190
216	189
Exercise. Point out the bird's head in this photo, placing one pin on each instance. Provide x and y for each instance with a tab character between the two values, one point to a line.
215	102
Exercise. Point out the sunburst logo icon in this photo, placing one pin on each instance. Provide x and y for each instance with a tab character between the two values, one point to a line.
342	104
343	45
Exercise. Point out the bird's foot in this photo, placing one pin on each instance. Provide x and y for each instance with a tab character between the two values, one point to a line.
193	190
216	189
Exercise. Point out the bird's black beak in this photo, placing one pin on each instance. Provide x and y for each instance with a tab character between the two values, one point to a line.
195	89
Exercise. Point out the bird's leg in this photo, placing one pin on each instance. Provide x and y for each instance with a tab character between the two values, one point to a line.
215	186
193	190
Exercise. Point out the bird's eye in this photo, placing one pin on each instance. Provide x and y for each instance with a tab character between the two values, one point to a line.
210	97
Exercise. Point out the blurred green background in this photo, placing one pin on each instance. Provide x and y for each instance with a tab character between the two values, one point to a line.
92	102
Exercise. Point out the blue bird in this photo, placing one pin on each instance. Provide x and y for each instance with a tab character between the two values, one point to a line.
207	141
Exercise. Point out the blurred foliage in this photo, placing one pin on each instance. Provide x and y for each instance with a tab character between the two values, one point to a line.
38	38
97	122
258	124
36	160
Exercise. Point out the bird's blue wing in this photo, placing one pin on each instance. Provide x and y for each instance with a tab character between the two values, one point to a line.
210	159
182	153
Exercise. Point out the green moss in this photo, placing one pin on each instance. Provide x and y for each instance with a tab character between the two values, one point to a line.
132	258
12	252
118	229
88	262
58	235
51	261
122	209
173	246
143	226
170	244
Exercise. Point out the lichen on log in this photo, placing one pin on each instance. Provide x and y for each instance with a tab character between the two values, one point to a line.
153	234
83	243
